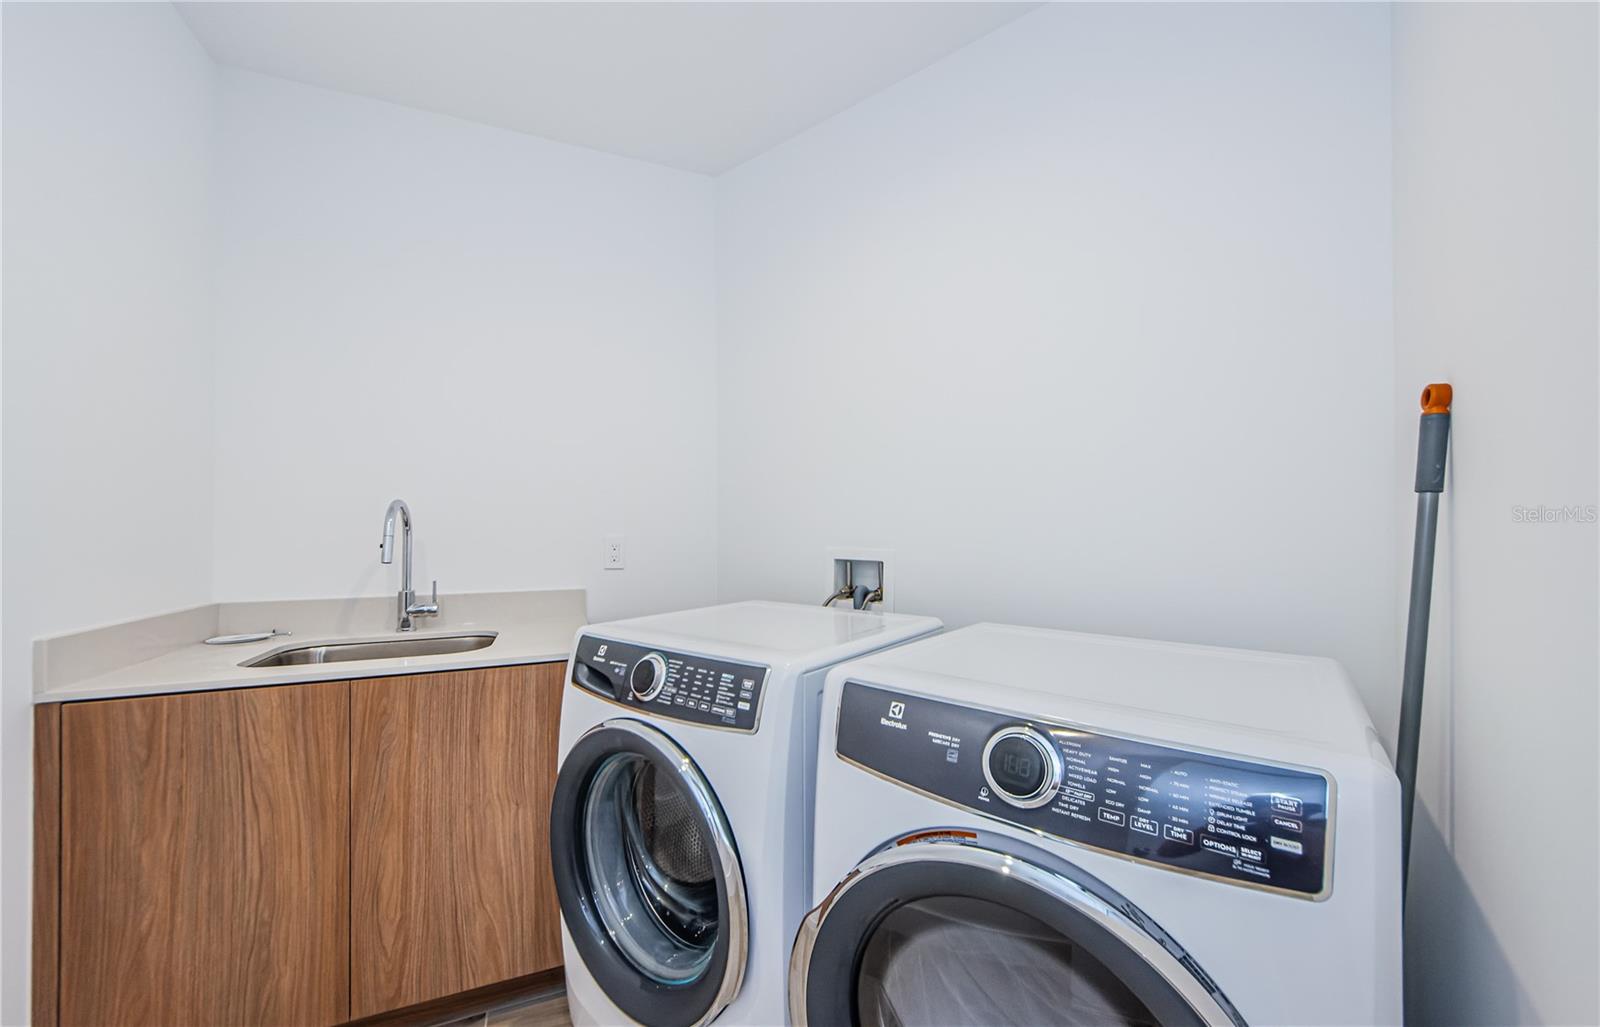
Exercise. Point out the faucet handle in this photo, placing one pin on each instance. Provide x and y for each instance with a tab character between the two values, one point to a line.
424	609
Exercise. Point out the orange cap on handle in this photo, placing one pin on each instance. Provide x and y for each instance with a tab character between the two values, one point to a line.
1436	399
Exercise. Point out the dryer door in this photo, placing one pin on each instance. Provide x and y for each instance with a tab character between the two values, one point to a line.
648	876
961	927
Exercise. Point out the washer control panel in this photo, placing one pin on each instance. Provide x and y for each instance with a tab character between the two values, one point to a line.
682	686
1235	820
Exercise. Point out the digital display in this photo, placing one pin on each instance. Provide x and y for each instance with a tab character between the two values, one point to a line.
1016	766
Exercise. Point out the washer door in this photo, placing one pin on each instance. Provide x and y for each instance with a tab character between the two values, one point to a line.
962	927
648	876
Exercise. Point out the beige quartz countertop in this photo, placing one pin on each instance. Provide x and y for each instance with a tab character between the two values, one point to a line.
166	654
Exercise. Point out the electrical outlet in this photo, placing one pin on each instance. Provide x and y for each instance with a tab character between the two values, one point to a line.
614	560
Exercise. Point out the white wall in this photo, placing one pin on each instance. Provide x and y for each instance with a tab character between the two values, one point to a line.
107	360
516	336
1115	283
1495	118
1090	323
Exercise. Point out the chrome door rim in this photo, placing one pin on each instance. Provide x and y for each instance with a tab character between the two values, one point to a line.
963	848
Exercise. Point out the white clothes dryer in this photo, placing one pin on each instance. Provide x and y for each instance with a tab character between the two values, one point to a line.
1025	826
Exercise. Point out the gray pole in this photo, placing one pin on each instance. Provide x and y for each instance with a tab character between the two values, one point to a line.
1433	444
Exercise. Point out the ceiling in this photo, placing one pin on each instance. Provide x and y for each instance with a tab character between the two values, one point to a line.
698	86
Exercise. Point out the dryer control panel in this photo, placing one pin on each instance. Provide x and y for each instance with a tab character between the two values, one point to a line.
1234	820
667	683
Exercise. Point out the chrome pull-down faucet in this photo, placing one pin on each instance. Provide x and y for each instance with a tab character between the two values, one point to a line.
408	605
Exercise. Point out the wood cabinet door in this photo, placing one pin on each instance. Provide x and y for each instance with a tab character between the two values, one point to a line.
205	858
451	779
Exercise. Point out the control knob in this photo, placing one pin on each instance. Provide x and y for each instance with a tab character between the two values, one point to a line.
1023	766
647	677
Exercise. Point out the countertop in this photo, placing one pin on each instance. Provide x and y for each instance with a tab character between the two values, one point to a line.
166	654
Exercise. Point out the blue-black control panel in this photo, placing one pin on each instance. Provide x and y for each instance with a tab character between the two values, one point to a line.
1234	820
666	683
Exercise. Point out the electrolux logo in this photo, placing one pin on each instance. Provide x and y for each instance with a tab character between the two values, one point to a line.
897	710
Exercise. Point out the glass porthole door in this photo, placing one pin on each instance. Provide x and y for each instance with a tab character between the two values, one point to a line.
951	927
648	876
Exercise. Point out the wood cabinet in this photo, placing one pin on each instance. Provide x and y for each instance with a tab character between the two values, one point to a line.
451	778
300	854
205	863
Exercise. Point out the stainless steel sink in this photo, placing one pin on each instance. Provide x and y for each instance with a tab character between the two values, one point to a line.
384	649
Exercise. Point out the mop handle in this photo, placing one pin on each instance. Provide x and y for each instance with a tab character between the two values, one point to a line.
1433	444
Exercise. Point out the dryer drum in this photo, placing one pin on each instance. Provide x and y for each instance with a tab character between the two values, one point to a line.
670	832
945	927
959	960
668	859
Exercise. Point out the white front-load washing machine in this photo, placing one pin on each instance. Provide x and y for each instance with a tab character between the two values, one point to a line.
1025	826
680	826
